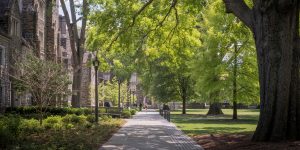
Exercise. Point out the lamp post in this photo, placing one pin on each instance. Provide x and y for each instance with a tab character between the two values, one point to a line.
96	64
106	77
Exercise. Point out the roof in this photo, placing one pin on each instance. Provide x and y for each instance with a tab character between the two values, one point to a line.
4	6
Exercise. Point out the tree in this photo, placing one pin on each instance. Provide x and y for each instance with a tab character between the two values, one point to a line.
110	91
77	43
43	79
275	27
142	29
224	63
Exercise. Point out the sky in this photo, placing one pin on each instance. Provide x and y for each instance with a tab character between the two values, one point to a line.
68	7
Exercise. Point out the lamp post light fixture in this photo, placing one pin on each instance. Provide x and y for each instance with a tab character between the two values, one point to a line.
96	64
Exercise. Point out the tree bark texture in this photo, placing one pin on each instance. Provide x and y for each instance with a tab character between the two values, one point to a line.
183	91
184	105
119	93
76	88
76	44
215	109
275	26
234	91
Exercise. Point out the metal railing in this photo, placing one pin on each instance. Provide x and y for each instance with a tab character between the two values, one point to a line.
165	113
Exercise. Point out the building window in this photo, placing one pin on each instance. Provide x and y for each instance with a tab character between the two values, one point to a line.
41	35
63	42
65	54
66	63
28	35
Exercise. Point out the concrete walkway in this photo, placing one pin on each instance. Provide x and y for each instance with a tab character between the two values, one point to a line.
148	130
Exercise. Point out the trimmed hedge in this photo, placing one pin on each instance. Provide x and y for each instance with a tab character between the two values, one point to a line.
29	111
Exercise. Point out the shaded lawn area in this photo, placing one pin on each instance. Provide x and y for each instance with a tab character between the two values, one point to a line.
223	133
195	122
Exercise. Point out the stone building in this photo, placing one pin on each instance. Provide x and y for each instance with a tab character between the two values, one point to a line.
35	25
25	25
52	31
10	43
65	53
135	88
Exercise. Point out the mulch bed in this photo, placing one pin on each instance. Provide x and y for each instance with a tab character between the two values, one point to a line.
241	142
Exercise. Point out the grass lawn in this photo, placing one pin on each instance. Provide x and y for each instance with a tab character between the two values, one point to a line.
222	133
195	122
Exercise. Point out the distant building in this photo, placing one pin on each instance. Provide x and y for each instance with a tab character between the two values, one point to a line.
137	92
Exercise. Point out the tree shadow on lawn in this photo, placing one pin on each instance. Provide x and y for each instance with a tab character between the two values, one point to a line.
215	121
225	121
216	130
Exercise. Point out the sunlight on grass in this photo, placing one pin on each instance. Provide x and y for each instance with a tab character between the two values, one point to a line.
196	122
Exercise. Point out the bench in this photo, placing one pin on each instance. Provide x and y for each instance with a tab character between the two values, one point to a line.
112	111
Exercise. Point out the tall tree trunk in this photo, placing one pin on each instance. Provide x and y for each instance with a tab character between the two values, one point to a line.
275	25
76	44
234	91
184	105
76	87
276	36
119	93
215	109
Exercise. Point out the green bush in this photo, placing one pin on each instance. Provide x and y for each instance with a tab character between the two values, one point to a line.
87	111
28	111
106	118
9	130
30	126
126	114
74	119
52	122
90	118
133	111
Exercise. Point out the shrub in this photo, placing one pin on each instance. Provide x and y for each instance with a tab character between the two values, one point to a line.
9	130
31	111
52	122
87	111
126	114
133	111
90	118
30	126
106	118
74	119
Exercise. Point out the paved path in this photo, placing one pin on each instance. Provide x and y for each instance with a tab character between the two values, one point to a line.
148	130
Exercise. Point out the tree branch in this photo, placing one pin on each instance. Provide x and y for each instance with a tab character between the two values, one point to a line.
73	15
71	33
85	11
131	25
241	10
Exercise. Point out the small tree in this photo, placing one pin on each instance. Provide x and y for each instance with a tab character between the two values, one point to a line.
43	79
